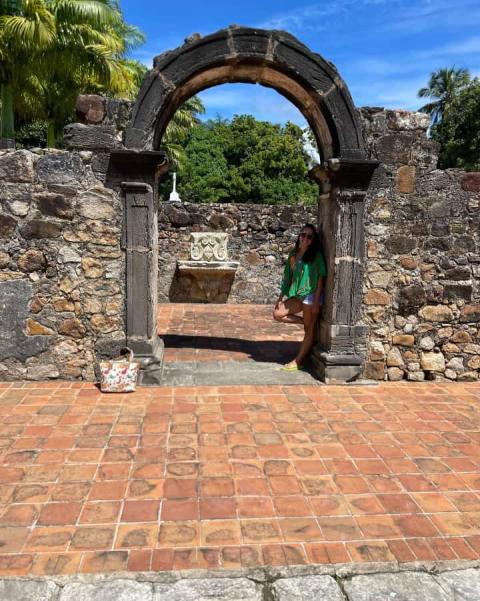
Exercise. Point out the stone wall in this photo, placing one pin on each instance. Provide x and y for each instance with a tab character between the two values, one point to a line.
61	267
260	237
422	280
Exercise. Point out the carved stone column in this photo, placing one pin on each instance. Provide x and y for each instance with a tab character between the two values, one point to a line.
341	336
140	173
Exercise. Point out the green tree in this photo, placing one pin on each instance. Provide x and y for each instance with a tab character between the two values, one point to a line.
459	130
52	50
246	160
442	87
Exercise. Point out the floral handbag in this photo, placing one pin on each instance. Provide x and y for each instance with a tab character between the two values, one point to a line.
119	375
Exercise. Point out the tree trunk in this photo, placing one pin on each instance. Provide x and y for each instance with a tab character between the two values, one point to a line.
8	125
54	134
51	138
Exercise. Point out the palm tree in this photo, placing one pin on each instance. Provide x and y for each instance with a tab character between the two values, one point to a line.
67	47
443	85
26	28
174	138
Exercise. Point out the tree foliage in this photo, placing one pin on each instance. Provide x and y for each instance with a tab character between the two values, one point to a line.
459	130
455	117
175	136
246	160
442	88
52	50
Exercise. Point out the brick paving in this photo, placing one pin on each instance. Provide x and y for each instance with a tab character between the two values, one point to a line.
198	332
171	478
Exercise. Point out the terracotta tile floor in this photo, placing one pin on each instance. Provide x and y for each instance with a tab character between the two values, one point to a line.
197	332
236	476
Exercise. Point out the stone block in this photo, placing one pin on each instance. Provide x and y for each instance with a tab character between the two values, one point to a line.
407	586
411	298
394	358
54	205
458	273
468	376
470	313
215	589
66	168
452	292
395	148
406	179
32	260
377	297
436	313
110	590
17	166
399	120
432	362
408	262
395	374
96	203
427	343
403	340
7	226
72	327
376	350
464	584
92	268
78	136
471	182
400	244
34	328
374	370
474	362
90	108
416	376
19	208
28	590
461	337
15	296
307	588
38	228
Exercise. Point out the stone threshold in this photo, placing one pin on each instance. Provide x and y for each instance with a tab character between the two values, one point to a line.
418	581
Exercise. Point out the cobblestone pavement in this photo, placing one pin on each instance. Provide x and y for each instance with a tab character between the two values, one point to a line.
409	583
197	332
231	477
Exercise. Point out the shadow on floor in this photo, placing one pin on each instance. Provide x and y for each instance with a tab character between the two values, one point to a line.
269	351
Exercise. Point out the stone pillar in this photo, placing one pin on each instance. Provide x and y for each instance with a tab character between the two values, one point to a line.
139	174
341	337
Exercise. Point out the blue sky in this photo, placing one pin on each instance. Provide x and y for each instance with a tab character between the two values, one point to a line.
385	50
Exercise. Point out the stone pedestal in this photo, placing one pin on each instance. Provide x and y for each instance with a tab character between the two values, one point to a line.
140	173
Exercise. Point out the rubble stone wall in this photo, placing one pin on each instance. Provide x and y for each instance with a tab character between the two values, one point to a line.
260	238
61	267
422	280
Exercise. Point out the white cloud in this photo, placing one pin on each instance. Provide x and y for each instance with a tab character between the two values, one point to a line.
264	103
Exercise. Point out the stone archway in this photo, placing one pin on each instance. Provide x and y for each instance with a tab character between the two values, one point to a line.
277	60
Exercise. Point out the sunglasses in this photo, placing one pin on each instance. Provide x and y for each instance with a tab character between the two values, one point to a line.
307	236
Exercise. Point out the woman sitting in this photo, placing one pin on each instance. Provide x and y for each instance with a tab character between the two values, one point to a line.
302	285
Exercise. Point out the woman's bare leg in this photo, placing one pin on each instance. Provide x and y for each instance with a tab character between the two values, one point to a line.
287	310
309	320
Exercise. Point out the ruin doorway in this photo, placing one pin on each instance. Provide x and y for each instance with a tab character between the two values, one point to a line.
277	60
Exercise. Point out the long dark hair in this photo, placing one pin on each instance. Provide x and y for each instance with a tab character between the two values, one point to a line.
313	248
